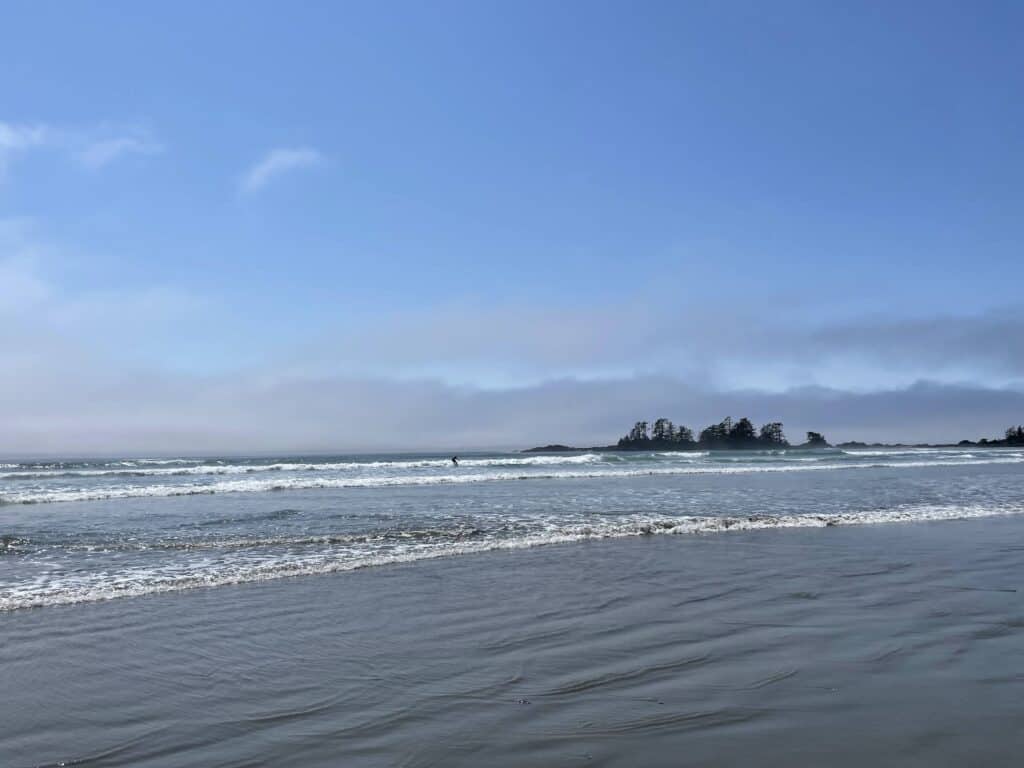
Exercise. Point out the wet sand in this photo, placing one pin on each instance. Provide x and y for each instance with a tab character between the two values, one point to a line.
896	644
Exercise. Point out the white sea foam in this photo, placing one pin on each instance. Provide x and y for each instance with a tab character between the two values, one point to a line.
384	480
898	451
130	469
161	461
77	587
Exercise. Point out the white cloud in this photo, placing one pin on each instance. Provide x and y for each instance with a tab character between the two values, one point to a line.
18	138
100	153
279	161
93	147
14	137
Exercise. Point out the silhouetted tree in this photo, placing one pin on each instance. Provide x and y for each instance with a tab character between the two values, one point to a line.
742	434
772	436
638	434
717	435
684	435
816	439
663	431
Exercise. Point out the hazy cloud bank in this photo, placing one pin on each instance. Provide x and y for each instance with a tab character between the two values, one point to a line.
731	350
433	379
90	412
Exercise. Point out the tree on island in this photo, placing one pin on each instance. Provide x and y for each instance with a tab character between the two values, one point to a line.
742	433
663	431
772	435
716	435
1015	435
638	434
726	435
684	435
816	440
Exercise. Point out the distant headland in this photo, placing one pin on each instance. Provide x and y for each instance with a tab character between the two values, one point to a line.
741	435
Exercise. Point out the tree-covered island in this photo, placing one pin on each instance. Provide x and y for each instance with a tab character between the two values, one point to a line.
725	435
741	435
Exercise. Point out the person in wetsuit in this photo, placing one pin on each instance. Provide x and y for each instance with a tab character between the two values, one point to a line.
455	460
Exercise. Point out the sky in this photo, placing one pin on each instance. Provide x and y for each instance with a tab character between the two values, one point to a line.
248	227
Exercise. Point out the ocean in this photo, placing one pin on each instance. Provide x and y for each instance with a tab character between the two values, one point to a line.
842	607
83	530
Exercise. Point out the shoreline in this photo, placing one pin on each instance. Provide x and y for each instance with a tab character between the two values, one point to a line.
639	528
841	646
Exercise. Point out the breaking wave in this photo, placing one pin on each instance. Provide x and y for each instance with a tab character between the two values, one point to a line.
355	475
246	560
140	468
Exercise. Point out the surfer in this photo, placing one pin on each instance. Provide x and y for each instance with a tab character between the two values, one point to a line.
455	460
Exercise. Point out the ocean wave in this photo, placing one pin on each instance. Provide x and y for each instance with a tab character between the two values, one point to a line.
139	581
201	469
379	538
130	469
249	485
899	451
162	461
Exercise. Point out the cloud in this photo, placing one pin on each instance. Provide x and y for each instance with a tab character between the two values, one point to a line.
486	343
993	340
18	138
94	147
74	383
277	162
102	152
71	404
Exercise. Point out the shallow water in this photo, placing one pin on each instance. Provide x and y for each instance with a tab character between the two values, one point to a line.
80	531
891	645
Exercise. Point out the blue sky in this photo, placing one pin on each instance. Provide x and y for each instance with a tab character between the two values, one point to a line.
695	201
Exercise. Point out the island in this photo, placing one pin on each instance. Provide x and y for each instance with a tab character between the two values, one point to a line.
741	435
